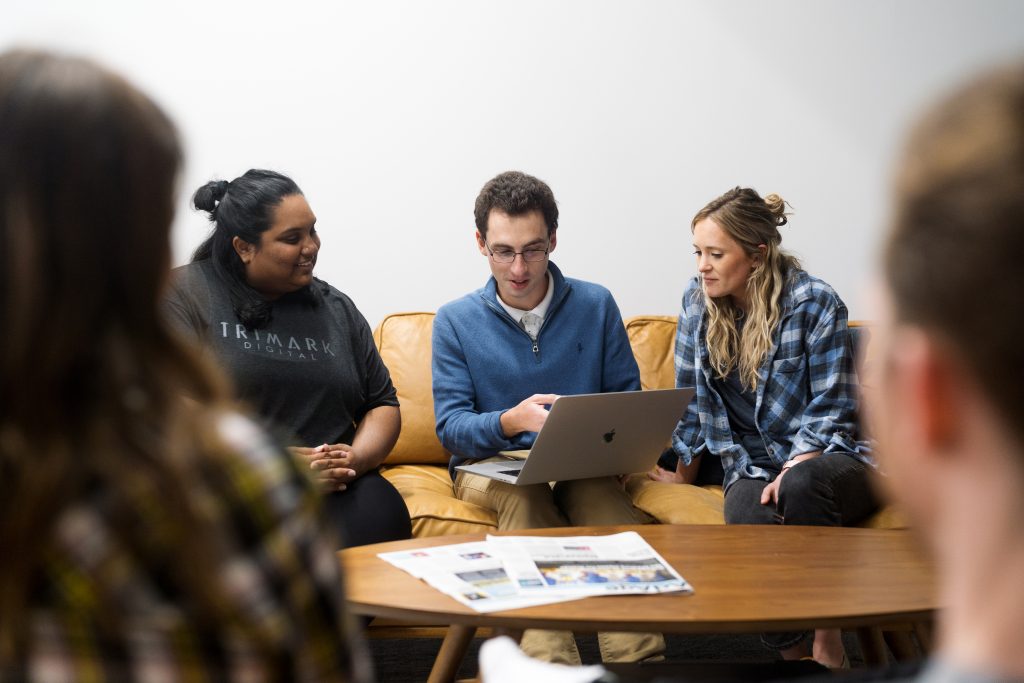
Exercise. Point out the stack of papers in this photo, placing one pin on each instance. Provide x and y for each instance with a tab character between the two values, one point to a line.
508	572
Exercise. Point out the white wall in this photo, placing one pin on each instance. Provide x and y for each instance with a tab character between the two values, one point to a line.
392	114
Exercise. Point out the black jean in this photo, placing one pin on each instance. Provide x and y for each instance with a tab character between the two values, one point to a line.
830	490
369	510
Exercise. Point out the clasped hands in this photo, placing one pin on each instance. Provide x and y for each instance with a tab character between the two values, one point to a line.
333	465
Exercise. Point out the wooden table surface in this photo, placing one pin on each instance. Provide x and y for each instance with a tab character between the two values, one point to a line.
745	579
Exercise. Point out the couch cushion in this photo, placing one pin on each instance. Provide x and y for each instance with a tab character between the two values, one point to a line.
887	517
653	340
677	503
433	507
403	340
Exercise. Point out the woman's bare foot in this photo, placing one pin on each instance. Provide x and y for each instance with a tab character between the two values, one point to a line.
828	648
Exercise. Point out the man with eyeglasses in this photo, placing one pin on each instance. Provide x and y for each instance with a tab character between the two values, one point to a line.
503	353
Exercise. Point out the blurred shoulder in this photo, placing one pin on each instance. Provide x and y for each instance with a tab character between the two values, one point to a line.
259	465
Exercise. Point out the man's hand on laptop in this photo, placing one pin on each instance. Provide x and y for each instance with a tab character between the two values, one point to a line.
528	416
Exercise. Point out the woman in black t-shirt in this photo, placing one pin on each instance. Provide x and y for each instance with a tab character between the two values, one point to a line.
298	350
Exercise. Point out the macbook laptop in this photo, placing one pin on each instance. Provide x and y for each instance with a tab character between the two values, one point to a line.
594	435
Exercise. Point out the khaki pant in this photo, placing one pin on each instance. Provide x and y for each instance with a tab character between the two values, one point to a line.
580	502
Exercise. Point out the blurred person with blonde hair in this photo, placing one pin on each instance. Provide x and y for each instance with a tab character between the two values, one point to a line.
948	408
148	530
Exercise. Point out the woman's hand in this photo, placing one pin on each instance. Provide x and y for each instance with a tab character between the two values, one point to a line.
770	493
683	474
334	465
667	476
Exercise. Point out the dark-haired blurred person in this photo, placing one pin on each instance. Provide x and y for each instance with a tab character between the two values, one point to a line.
148	531
297	349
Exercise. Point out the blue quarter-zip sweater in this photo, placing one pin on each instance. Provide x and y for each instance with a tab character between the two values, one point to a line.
485	364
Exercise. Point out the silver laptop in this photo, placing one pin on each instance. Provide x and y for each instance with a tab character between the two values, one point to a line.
594	435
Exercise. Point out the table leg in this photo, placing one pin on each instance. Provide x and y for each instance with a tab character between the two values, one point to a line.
923	631
453	650
872	646
901	643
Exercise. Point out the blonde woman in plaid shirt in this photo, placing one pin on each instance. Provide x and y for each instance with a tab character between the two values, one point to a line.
145	535
775	416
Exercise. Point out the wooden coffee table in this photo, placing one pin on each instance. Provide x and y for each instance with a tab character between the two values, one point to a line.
746	579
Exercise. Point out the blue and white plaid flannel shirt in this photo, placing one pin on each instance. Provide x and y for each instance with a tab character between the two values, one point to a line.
806	390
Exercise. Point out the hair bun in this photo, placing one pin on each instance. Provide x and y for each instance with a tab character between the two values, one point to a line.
777	205
209	195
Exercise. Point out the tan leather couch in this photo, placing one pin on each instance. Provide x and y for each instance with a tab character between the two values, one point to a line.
418	465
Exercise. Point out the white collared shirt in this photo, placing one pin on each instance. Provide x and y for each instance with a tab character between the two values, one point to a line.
532	320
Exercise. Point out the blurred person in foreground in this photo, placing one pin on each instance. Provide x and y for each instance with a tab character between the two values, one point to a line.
148	531
947	403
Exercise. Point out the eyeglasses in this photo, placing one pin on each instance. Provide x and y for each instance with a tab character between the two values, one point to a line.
532	255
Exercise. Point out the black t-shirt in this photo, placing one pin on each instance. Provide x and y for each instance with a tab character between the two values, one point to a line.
740	403
313	372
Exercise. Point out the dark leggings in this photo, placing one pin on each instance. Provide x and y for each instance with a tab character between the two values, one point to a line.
370	510
830	490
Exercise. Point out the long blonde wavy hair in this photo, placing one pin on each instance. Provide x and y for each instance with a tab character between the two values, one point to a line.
754	224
